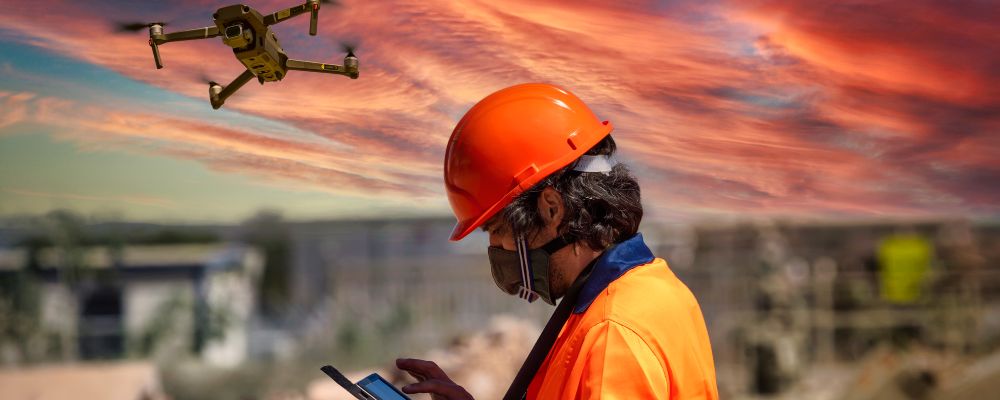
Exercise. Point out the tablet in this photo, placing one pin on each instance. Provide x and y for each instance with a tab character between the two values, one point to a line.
373	387
381	389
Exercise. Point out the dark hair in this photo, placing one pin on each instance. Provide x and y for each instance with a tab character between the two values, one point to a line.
601	209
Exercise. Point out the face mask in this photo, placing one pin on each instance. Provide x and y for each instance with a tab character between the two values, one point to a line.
523	272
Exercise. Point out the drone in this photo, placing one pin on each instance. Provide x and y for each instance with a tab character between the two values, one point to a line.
249	33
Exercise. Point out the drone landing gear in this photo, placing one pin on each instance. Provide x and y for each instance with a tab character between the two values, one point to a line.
310	6
218	94
156	38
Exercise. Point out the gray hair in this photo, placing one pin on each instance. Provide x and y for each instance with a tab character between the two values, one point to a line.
601	209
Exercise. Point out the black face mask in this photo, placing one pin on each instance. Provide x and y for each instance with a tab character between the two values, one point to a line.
523	272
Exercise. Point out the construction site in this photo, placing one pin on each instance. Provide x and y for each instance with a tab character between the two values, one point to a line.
806	310
520	199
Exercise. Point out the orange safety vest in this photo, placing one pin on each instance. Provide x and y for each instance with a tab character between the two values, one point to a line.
636	332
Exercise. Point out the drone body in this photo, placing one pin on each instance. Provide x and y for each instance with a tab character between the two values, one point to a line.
255	45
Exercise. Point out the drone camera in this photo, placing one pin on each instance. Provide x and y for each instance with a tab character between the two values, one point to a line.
236	37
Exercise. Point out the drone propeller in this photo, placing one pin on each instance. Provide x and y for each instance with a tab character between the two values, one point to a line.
349	48
204	79
136	26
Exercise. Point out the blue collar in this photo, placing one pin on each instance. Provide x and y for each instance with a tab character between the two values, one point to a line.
612	264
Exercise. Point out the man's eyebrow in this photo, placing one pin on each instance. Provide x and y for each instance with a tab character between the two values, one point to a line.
489	224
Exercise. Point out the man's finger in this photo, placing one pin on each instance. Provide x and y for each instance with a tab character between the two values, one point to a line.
427	369
438	387
418	377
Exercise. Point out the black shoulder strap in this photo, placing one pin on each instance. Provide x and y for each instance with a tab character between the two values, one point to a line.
519	388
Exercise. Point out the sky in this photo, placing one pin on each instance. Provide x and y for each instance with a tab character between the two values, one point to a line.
744	108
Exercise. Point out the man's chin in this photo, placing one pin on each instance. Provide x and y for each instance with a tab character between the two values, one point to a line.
556	296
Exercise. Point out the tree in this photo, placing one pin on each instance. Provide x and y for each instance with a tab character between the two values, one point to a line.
268	231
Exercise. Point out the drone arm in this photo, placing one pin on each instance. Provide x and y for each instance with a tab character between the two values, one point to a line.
192	34
311	66
287	13
310	6
219	99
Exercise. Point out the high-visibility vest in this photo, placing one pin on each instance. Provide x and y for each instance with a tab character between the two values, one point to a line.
904	266
636	332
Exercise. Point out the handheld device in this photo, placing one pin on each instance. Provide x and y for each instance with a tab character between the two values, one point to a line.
373	387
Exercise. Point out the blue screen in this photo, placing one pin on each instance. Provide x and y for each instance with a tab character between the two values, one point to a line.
378	387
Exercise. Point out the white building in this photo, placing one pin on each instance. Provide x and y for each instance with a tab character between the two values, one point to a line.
151	300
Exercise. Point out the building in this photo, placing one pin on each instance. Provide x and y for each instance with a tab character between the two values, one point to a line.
103	302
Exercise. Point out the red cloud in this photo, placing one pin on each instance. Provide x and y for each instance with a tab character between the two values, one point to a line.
945	50
785	107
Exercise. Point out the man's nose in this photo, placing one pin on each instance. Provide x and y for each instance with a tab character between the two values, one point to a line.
502	241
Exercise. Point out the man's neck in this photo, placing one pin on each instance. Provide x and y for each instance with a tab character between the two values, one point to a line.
582	257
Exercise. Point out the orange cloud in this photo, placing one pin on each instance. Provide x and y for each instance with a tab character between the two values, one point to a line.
784	107
939	49
911	87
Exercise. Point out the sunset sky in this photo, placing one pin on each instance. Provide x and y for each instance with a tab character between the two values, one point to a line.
790	108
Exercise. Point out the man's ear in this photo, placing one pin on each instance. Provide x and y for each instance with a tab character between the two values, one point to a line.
551	208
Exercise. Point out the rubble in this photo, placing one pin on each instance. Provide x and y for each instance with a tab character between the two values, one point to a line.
131	380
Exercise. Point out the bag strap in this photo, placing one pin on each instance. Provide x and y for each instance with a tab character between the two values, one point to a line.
519	388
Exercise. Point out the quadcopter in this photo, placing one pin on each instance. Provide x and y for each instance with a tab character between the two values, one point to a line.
255	45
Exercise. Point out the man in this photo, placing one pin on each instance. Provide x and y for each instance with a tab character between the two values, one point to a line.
531	165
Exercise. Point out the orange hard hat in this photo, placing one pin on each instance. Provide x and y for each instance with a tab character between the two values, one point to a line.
509	141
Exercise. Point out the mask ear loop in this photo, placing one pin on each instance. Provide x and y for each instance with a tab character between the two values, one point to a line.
527	289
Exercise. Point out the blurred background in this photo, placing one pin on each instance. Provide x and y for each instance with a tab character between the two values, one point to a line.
822	176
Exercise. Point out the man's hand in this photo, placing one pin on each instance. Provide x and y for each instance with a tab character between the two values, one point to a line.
431	379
